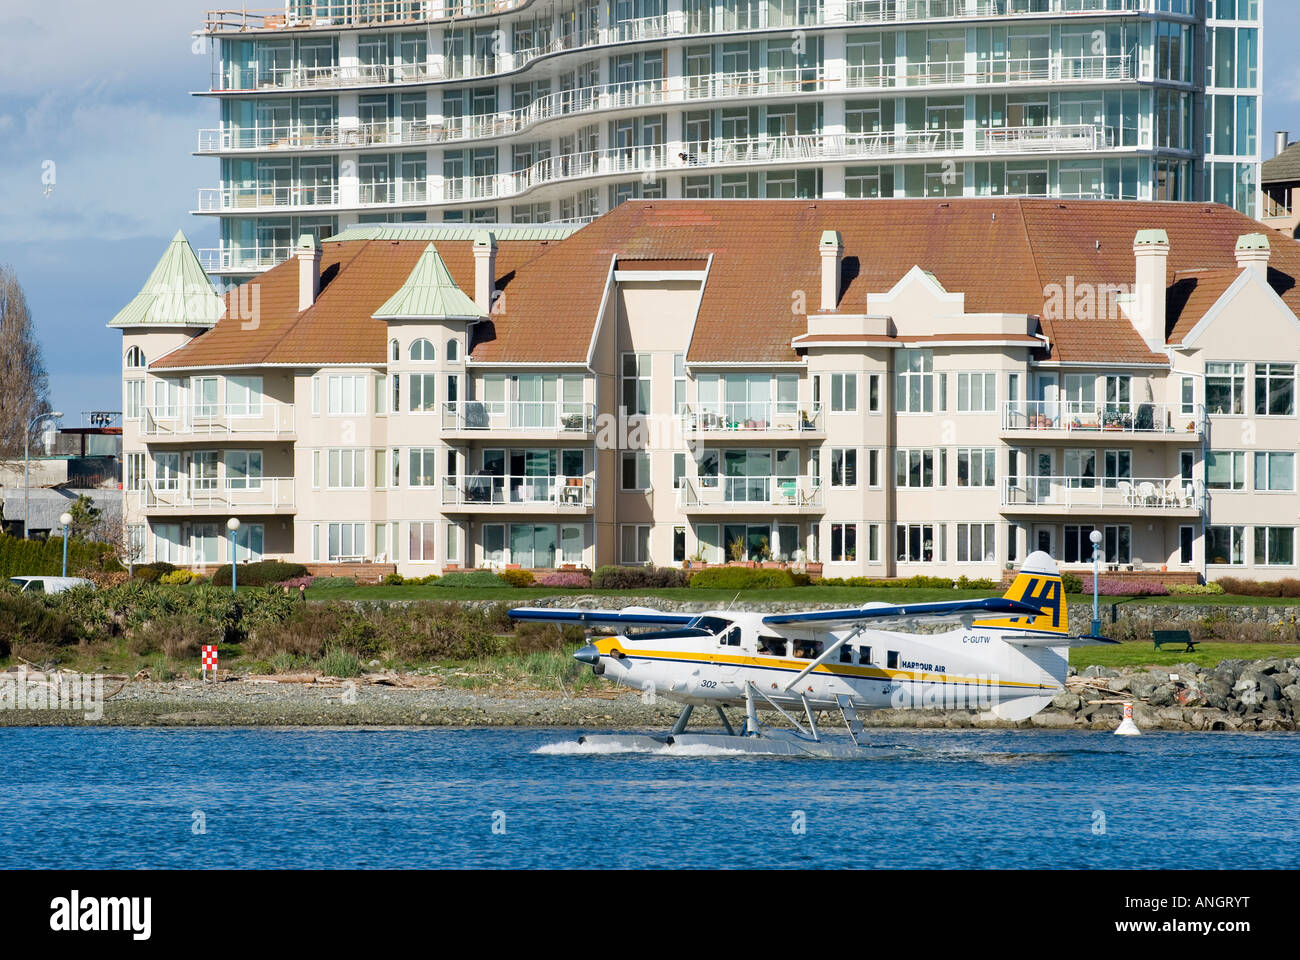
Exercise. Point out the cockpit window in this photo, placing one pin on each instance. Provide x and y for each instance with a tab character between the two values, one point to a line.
731	638
713	625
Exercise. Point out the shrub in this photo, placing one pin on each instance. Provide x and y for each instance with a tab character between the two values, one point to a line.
1110	587
176	578
1260	588
23	620
565	578
393	579
264	573
544	638
44	558
966	583
468	578
741	578
517	578
638	578
152	572
1196	589
305	634
295	582
340	663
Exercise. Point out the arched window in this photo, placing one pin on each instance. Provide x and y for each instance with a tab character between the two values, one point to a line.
421	350
394	351
135	358
453	351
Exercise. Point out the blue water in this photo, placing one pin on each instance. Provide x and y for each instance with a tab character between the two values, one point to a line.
284	798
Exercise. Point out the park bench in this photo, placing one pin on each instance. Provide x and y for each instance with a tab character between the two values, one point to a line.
1175	638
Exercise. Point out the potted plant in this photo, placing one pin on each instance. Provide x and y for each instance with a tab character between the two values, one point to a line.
736	550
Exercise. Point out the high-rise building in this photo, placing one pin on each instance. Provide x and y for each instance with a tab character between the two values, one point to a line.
337	113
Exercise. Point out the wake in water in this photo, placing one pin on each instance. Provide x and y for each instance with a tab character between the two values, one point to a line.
573	748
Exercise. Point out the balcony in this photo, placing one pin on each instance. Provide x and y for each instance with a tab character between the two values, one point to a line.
1039	420
242	259
520	416
778	417
515	494
331	13
1098	68
199	422
902	11
747	495
177	496
281	197
1049	496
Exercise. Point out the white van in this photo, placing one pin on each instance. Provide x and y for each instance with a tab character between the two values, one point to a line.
50	584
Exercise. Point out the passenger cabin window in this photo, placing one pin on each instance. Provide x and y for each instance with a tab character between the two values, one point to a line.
846	654
864	655
807	649
771	645
892	660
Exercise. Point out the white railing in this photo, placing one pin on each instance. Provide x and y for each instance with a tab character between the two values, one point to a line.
749	492
1098	493
376	192
224	259
213	199
496	491
1074	416
363	13
744	417
212	493
1033	70
216	419
891	11
540	415
1059	138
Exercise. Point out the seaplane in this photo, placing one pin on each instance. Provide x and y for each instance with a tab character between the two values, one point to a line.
1005	656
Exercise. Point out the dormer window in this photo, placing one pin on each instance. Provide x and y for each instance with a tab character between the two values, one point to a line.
422	350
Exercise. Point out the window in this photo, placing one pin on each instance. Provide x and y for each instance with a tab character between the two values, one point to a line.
1119	466
914	388
421	350
421	392
1225	388
917	468
679	472
1274	471
873	392
976	466
394	351
1187	396
1117	543
381	394
1186	540
347	395
634	539
1275	389
135	471
873	543
636	383
494	544
976	543
453	543
679	544
976	392
679	382
244	469
708	545
423	461
205	539
844	467
134	358
315	396
1274	546
346	468
422	542
134	399
203	469
844	393
844	542
250	541
244	396
166	395
1081	468
453	351
875	478
167	542
919	542
1078	543
1225	545
203	396
636	470
346	541
1225	469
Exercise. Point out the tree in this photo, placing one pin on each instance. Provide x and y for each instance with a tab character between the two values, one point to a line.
24	385
85	518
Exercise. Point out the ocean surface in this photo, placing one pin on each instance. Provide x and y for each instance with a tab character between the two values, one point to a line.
328	798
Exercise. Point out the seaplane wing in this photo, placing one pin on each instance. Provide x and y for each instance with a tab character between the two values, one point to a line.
626	617
882	614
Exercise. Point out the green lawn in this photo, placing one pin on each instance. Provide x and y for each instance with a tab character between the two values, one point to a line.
1143	654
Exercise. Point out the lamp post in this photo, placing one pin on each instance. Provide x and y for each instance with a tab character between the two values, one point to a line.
27	467
233	525
65	519
1095	537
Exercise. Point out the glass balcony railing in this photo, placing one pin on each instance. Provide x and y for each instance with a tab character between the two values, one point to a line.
487	490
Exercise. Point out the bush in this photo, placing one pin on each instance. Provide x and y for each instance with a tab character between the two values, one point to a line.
639	578
44	558
264	573
468	578
393	580
1110	587
517	578
23	620
545	638
180	638
741	578
153	572
1071	583
1196	589
579	579
340	663
296	582
966	583
176	578
1260	588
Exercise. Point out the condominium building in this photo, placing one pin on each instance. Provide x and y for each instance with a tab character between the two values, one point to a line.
880	387
338	113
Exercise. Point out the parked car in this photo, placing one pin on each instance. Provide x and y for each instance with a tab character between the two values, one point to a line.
50	584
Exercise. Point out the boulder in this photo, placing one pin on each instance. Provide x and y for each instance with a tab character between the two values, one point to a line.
1052	720
1141	685
1292	693
1094	672
1069	702
1118	685
1163	695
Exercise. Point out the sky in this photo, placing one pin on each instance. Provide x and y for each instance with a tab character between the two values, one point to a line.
98	97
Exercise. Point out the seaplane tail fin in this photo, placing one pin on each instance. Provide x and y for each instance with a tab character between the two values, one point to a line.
1037	583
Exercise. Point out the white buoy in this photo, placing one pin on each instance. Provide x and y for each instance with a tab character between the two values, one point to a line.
1127	728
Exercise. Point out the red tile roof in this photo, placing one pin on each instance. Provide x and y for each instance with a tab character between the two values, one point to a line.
1000	253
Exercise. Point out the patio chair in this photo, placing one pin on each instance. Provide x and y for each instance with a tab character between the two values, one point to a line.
1126	491
1147	495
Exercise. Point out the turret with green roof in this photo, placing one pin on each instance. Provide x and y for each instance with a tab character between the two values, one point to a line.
177	294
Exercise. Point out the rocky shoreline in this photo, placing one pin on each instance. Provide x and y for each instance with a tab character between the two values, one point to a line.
1237	695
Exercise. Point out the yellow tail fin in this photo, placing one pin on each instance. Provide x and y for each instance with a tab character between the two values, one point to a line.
1038	583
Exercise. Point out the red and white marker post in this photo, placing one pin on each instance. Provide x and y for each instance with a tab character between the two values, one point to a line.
209	662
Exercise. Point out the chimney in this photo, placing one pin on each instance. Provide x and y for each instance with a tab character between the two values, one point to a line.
485	269
308	254
1281	140
1151	251
1253	254
831	248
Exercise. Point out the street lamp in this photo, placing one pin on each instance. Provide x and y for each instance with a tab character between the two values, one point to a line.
27	467
65	519
1095	537
233	525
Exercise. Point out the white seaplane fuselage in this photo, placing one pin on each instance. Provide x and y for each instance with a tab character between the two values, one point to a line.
710	663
